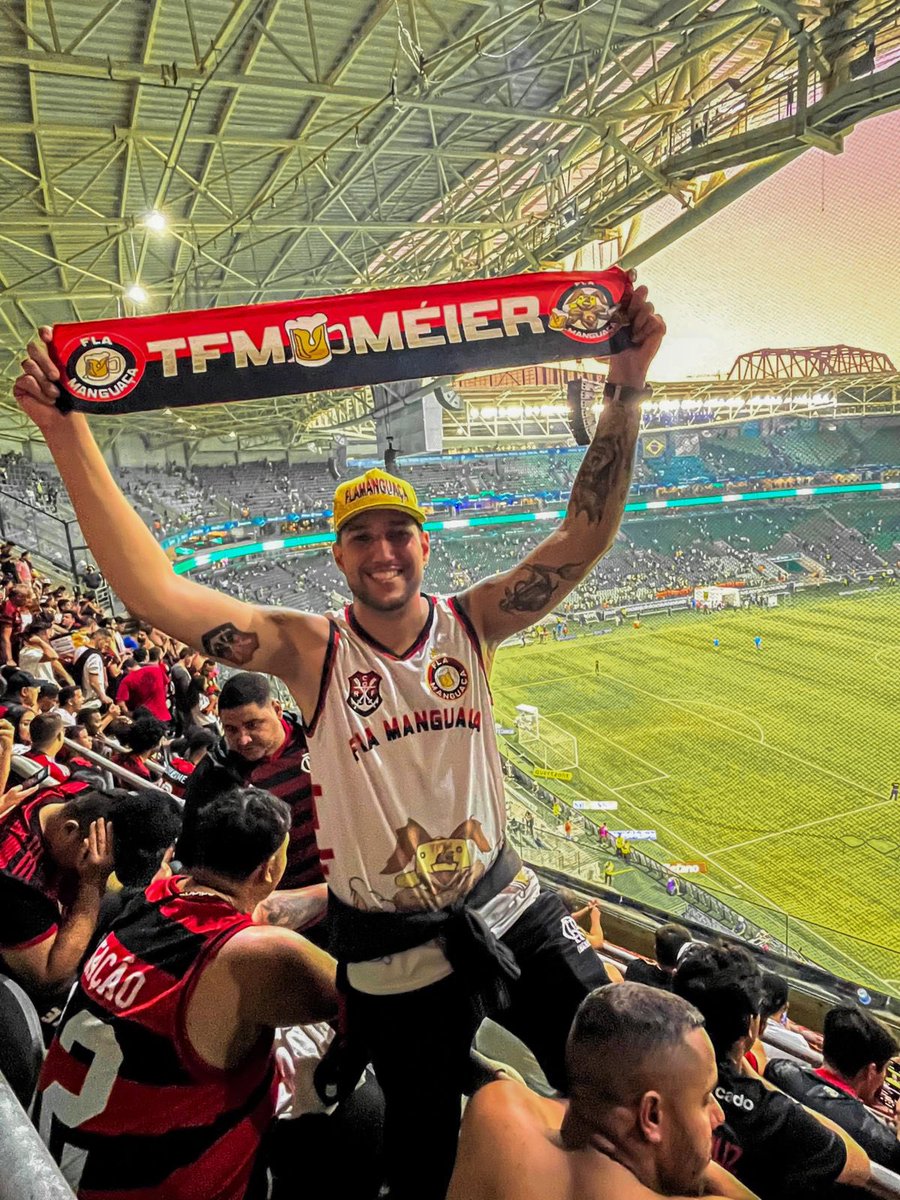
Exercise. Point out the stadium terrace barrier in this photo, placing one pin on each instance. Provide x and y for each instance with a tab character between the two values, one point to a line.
886	1182
27	1172
133	781
632	923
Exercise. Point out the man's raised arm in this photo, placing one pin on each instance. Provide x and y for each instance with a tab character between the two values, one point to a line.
281	642
507	603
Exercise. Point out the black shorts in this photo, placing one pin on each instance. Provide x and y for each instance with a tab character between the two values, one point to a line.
559	968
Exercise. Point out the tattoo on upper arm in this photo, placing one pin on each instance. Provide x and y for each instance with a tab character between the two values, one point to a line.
230	644
289	910
534	589
605	468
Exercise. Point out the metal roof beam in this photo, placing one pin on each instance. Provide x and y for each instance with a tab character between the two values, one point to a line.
89	67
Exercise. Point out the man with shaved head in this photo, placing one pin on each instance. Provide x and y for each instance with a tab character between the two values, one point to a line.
638	1123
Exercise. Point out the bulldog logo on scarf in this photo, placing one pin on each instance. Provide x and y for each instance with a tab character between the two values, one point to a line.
173	360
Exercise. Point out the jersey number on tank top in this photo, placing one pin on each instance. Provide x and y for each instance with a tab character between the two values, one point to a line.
74	1108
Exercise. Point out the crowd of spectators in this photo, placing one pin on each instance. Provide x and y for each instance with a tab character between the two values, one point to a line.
173	497
163	844
223	800
654	554
695	1015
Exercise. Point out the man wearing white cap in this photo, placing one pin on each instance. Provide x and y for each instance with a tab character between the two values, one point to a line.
435	920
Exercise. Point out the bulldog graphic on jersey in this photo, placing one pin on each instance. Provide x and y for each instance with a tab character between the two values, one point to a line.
441	868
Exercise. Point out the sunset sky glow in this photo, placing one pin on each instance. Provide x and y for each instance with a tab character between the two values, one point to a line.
811	257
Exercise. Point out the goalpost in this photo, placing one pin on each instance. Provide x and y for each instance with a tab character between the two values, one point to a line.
545	742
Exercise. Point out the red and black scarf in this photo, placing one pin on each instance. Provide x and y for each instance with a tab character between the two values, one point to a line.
181	359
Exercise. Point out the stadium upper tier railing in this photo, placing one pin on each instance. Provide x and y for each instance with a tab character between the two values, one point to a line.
324	536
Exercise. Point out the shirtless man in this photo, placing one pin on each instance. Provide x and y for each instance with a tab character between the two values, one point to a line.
638	1124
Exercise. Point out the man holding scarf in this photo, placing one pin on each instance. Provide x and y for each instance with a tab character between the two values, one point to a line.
435	921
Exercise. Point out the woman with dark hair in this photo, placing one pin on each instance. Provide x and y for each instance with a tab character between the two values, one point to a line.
20	718
143	738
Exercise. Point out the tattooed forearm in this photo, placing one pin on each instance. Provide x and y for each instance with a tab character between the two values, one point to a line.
293	908
533	590
230	644
605	472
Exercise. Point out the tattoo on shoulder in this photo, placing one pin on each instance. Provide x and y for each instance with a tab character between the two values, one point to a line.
270	912
230	644
536	584
605	468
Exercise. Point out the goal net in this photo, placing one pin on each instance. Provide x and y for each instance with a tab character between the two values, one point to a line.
545	743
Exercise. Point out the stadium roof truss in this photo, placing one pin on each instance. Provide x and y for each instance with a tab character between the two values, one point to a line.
295	147
506	418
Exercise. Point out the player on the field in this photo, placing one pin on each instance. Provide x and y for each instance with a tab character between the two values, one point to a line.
434	917
757	642
895	788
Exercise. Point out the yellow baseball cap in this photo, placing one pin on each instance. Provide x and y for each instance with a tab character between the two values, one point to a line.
375	489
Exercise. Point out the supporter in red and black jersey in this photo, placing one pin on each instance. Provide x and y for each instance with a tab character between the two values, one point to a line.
857	1051
12	619
41	839
161	1082
52	846
772	1144
143	738
265	746
47	736
180	759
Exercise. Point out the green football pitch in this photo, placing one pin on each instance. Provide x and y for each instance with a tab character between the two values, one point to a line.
773	765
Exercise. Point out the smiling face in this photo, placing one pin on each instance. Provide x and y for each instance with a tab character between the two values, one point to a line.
382	554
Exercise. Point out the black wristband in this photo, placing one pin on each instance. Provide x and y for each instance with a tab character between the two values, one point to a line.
621	393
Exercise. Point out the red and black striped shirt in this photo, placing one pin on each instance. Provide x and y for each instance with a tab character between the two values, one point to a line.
285	774
125	1103
22	851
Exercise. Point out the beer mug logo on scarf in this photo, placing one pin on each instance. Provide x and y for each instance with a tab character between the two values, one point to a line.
101	365
309	340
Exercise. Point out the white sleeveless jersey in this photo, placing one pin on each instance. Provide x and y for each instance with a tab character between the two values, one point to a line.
408	786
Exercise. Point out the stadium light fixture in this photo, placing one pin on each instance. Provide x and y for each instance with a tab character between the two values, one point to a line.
136	293
156	221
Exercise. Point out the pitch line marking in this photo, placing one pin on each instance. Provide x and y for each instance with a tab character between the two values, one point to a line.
741	883
737	711
854	783
765	837
605	738
767	902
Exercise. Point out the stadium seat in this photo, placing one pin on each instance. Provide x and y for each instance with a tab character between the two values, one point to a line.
21	1041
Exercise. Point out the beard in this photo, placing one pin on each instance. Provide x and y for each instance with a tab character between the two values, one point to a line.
372	599
683	1172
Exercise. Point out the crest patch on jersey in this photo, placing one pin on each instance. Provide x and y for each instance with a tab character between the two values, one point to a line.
364	695
447	677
